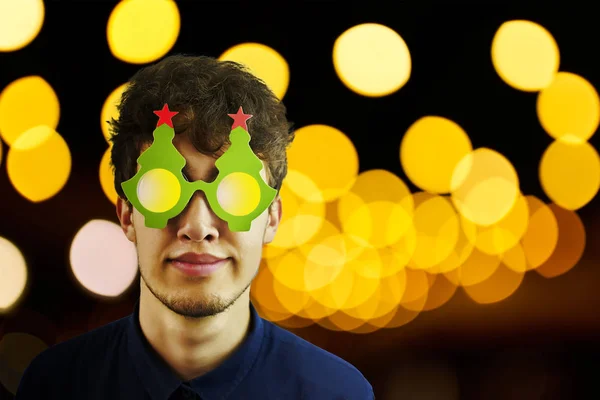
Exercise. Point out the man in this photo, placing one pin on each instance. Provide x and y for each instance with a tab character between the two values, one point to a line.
194	332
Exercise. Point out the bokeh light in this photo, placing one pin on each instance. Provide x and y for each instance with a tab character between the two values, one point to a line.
525	55
430	150
142	31
437	227
20	23
372	59
504	234
499	286
484	186
301	219
570	244
476	268
541	236
109	110
107	177
327	157
569	108
378	209
39	163
570	173
263	62
17	350
25	103
14	274
102	259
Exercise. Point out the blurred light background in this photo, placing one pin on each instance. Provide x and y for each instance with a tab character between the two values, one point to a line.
441	204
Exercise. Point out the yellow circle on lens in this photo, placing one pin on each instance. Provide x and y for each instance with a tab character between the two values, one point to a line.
158	190
238	193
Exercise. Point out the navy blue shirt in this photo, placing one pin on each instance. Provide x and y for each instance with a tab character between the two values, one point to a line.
116	361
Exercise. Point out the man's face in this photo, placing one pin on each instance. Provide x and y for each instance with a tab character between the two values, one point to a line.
198	229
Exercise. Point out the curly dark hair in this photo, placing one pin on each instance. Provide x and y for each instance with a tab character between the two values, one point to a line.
203	90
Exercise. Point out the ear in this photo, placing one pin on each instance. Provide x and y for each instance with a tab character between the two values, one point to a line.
273	221
125	214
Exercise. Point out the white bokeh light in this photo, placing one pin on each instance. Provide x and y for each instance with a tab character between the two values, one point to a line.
13	274
102	259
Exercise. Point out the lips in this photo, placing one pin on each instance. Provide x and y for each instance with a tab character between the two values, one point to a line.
196	258
194	264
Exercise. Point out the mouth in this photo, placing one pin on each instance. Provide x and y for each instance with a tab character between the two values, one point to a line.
197	268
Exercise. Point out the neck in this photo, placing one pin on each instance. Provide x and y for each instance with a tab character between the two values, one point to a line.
193	347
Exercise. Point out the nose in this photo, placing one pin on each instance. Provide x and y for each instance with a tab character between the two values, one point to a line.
197	222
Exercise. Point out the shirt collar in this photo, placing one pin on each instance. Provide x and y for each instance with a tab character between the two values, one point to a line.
161	382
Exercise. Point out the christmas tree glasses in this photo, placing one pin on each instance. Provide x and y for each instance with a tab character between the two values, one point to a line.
159	190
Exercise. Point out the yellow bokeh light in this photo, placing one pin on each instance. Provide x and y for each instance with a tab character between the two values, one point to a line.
292	300
20	23
314	266
541	236
13	270
417	286
437	230
525	55
377	210
515	259
506	233
39	163
142	31
569	108
499	286
107	177
388	295
363	286
109	110
438	294
263	292
326	156
288	269
484	186
158	190
462	250
25	103
337	292
570	244
372	59
238	193
340	321
570	173
300	221
396	257
478	267
430	150
263	62
400	315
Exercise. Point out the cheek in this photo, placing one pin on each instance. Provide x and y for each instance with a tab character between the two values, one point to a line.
148	240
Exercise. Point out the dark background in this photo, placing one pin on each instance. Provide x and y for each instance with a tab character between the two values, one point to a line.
540	343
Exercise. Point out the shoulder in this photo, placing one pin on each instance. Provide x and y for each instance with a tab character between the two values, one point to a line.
59	363
320	374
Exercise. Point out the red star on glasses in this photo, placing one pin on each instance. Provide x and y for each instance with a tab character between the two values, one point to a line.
164	116
240	119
